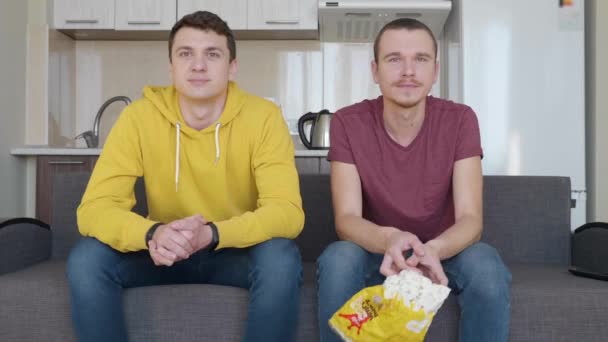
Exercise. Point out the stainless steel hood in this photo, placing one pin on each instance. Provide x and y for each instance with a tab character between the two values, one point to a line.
360	20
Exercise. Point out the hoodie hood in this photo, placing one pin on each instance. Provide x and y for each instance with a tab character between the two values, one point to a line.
165	99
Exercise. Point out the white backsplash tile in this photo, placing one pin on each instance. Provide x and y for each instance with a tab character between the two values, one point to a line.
347	76
290	72
35	82
300	76
109	68
61	90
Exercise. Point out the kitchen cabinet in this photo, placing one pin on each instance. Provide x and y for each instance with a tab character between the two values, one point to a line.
234	12
306	165
323	166
282	15
145	15
83	14
152	19
47	167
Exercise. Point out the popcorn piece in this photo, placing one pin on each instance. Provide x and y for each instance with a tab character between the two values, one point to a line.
416	291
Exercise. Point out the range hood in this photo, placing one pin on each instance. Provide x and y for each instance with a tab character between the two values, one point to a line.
360	20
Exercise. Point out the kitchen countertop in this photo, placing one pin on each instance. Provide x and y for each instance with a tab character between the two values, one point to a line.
42	150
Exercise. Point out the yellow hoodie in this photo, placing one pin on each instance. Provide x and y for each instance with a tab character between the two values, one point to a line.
239	173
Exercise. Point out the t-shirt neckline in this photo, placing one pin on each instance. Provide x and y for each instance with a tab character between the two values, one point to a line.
380	117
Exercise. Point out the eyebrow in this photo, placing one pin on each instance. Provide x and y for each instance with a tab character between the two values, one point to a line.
397	54
424	54
187	47
392	54
214	48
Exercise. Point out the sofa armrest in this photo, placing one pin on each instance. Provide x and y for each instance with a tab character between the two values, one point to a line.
23	242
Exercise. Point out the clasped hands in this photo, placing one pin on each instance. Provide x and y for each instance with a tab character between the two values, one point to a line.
178	240
424	258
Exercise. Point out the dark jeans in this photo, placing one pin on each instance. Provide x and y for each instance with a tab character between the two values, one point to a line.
477	275
272	271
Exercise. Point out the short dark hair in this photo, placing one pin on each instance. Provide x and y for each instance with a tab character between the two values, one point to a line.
407	24
205	21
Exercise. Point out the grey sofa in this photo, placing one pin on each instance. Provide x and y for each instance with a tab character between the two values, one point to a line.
526	218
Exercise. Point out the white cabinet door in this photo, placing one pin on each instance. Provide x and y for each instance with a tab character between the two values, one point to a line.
234	12
83	14
282	15
145	14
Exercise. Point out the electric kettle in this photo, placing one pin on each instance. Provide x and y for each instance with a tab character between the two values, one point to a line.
318	138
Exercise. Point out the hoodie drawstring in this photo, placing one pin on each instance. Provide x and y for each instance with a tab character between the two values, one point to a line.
177	138
177	134
217	142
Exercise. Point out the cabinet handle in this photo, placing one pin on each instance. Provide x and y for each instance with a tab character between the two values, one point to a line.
143	22
66	162
81	21
282	22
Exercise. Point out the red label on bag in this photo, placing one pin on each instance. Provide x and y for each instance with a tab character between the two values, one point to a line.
355	321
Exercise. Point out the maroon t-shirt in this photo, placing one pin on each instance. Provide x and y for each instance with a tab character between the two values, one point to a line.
409	188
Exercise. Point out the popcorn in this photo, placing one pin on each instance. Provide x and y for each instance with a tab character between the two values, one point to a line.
399	310
416	291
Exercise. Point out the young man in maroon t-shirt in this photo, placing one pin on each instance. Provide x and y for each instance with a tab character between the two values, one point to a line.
406	178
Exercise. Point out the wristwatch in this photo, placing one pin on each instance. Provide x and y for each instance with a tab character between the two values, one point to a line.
151	231
215	238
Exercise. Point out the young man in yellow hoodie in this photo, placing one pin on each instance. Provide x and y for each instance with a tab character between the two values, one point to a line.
222	191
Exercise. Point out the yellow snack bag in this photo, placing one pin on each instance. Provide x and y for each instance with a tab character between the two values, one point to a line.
399	310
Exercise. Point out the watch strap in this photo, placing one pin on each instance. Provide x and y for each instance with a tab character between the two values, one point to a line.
215	237
150	232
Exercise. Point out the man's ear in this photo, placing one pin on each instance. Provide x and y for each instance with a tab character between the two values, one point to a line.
232	70
374	67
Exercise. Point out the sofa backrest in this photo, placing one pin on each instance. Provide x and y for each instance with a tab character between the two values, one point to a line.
67	190
526	218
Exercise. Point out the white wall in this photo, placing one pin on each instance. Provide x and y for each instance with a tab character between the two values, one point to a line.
597	109
13	27
300	75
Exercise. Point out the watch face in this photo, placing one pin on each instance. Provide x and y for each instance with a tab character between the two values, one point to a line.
149	235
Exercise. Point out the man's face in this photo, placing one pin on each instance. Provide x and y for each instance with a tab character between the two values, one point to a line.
406	67
200	66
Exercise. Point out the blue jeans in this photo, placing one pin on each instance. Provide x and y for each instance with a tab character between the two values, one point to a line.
477	275
272	271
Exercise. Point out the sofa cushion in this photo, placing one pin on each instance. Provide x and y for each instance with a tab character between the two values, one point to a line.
36	302
548	304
